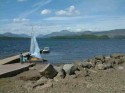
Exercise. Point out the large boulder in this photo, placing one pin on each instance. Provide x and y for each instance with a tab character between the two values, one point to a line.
70	69
118	61
101	67
100	57
79	65
110	60
108	65
48	71
87	65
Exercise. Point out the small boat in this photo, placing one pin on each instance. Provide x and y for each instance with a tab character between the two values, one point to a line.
46	50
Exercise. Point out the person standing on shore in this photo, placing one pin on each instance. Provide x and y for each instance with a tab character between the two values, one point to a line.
28	57
21	58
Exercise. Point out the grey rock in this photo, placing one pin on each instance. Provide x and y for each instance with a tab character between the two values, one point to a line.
117	55
48	71
70	69
100	57
87	60
60	75
79	64
58	68
93	62
120	67
83	73
100	61
101	67
110	60
118	61
108	65
87	65
74	76
86	72
61	72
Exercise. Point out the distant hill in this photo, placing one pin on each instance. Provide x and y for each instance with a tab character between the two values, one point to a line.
61	33
40	36
81	37
8	34
117	33
13	36
112	33
65	33
84	33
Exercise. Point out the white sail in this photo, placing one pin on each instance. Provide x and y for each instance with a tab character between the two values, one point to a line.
34	48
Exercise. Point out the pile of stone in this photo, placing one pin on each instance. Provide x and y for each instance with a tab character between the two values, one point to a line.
50	73
106	62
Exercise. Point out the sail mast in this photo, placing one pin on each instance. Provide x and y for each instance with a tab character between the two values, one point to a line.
34	47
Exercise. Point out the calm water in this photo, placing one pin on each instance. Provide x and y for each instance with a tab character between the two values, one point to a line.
64	51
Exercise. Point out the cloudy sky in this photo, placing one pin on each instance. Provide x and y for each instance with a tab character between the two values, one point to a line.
46	16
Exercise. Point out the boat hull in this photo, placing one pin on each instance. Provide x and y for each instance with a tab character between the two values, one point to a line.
37	60
45	51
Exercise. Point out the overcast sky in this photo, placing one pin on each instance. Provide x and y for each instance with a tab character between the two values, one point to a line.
46	16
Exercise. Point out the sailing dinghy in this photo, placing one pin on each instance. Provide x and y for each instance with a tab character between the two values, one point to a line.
35	50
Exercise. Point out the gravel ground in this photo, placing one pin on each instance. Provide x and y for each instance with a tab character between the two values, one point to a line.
99	81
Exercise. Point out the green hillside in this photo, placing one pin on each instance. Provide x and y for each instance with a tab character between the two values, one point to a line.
82	37
6	38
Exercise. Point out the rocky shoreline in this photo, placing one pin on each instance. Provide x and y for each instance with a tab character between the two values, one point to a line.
101	74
